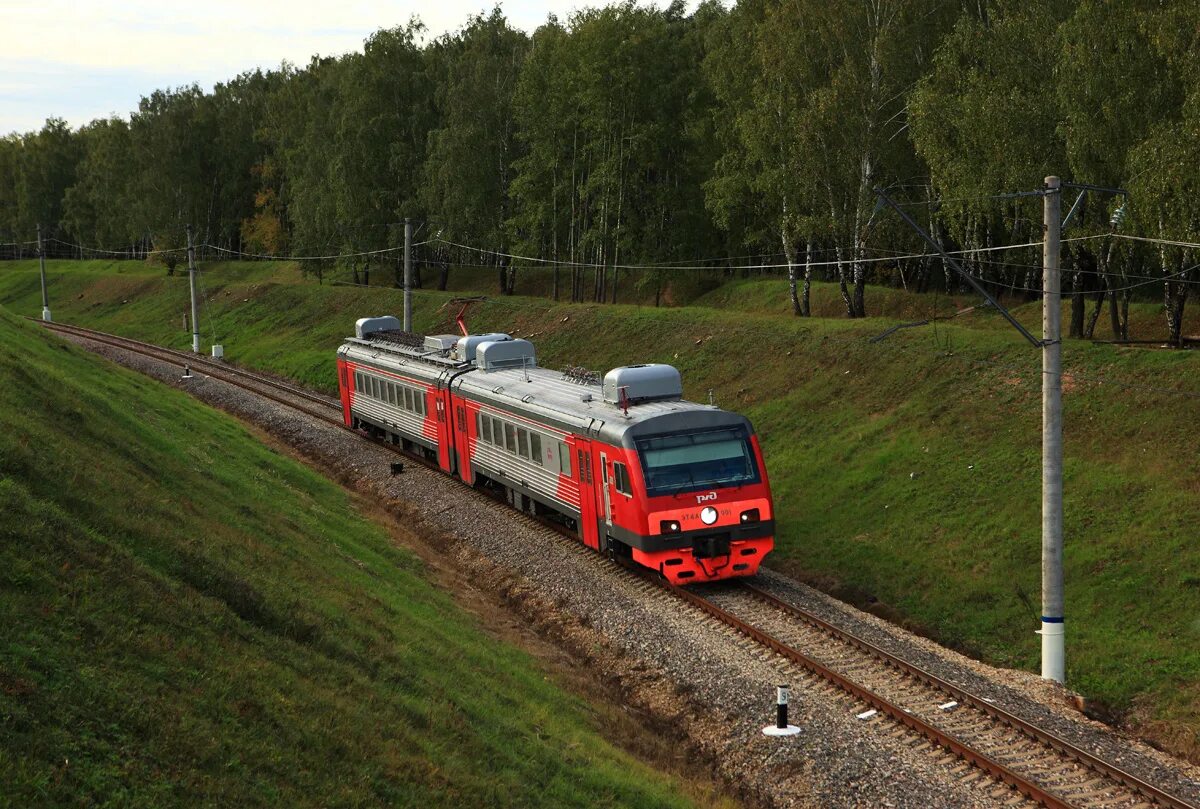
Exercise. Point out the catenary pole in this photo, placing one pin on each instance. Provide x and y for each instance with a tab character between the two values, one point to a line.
1053	652
42	270
407	274
191	254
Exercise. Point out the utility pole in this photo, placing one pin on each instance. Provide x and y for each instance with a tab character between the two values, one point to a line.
42	268
191	254
1053	647
407	274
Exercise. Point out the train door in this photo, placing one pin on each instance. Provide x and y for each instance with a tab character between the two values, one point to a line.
444	427
588	522
462	441
604	485
345	379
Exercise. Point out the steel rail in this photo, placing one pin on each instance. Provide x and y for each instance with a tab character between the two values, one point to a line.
960	694
187	358
941	738
223	373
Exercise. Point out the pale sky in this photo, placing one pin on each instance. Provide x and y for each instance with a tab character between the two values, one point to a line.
84	60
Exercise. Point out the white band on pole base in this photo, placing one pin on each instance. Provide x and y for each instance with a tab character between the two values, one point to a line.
771	730
1053	654
46	314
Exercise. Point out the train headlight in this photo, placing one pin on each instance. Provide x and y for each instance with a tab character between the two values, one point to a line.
669	526
708	515
751	515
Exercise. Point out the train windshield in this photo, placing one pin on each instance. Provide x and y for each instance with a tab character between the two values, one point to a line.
690	461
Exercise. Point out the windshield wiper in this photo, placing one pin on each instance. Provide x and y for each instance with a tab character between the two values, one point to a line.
691	483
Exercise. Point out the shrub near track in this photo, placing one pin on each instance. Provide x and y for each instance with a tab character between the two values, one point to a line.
906	471
191	618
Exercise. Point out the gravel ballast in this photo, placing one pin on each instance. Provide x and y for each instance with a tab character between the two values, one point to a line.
692	676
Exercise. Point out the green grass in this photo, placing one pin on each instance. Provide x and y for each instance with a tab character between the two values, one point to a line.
191	618
906	471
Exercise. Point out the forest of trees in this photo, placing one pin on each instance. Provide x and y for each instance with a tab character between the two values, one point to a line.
631	135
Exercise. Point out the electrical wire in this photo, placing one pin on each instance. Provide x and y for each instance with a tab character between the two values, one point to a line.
843	262
134	253
241	254
1163	242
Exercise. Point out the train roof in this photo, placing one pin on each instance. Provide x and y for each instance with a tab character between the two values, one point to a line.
647	400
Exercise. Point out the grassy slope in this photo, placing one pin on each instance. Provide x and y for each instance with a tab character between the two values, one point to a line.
905	471
190	617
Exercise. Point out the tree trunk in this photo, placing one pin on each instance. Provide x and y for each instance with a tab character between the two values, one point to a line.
842	288
790	253
1078	304
805	308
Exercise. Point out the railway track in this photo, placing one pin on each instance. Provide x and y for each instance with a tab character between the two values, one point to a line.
315	405
1038	763
948	720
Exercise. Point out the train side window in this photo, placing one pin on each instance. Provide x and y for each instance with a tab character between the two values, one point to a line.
483	425
535	448
621	478
510	438
374	388
393	389
419	401
564	459
408	399
522	443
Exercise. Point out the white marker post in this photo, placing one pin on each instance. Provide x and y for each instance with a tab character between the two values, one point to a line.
781	726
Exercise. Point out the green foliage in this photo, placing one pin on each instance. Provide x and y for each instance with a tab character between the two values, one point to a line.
630	135
193	618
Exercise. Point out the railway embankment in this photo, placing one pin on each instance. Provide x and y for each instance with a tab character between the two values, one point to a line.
690	675
193	617
906	469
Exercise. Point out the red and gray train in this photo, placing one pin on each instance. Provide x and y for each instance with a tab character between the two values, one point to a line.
625	463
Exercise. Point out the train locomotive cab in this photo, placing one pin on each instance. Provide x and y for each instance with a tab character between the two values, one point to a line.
705	510
692	499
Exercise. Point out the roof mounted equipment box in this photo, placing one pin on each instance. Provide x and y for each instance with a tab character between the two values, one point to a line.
642	383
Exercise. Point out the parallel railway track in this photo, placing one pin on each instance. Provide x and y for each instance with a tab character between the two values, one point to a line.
1037	763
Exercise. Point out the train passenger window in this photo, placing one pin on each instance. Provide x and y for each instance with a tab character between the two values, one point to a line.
535	448
564	459
483	427
510	438
621	478
522	443
419	402
374	388
392	390
408	399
